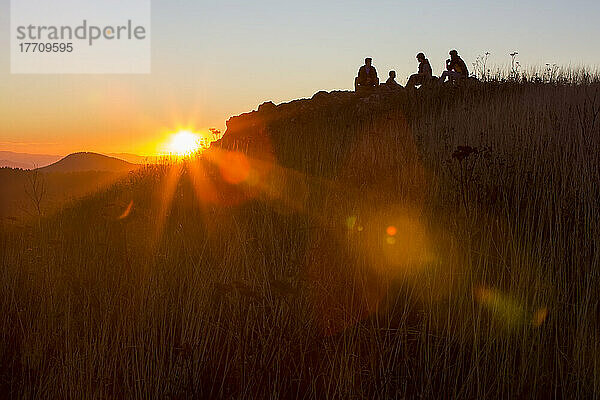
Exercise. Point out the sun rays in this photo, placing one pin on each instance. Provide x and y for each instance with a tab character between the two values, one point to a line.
389	243
221	179
184	143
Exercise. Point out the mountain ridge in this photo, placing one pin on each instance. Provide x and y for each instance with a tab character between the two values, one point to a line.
88	161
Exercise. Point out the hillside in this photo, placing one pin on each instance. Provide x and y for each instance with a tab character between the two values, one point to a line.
331	124
59	189
400	245
329	134
67	180
79	162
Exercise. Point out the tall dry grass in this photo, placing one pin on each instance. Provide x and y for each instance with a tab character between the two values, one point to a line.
291	285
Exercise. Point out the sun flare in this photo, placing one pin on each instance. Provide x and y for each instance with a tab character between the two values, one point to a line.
184	143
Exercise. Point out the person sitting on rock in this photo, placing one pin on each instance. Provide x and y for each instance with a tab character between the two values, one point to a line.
424	75
391	81
456	69
367	76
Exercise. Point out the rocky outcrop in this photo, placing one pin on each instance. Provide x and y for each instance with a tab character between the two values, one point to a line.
340	137
326	119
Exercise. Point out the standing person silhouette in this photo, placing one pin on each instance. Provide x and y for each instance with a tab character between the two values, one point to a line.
456	69
367	76
424	75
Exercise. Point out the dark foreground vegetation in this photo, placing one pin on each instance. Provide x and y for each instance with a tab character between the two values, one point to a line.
440	243
25	193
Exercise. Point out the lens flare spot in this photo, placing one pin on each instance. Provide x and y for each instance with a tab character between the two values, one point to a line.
127	211
539	317
483	295
507	308
235	168
408	246
351	222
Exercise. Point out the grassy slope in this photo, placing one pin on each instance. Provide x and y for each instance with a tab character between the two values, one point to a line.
287	286
60	187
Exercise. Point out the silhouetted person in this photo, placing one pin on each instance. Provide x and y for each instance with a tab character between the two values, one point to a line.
456	69
424	75
367	76
391	81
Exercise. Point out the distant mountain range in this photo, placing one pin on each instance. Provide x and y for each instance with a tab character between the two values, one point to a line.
26	161
78	162
32	161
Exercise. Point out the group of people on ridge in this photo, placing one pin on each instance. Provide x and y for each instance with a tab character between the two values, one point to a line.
456	70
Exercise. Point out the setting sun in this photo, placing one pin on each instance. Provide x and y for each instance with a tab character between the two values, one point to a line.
184	143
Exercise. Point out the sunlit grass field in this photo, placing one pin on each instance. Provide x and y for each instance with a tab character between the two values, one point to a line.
442	244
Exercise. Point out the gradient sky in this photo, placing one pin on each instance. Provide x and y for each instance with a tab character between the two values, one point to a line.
215	59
